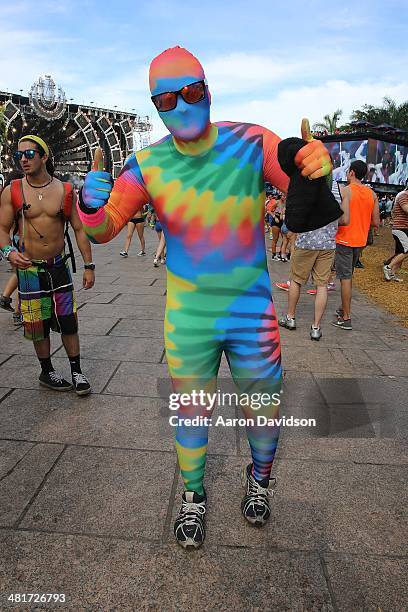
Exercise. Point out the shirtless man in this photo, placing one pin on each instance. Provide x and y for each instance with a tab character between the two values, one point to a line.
41	203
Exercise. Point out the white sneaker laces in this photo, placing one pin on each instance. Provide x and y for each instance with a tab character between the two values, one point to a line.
79	378
56	377
189	510
255	490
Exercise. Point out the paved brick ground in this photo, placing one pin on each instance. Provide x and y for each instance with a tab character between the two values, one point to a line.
89	487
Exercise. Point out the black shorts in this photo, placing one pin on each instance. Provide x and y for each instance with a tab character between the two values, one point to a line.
136	220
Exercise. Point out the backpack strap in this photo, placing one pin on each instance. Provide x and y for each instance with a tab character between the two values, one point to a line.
70	248
66	210
17	196
67	201
17	202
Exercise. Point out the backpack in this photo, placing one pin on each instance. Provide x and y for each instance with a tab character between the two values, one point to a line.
17	201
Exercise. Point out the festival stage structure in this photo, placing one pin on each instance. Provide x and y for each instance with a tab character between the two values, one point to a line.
382	147
72	130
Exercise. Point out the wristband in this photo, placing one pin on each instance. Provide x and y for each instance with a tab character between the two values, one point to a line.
89	266
8	249
83	207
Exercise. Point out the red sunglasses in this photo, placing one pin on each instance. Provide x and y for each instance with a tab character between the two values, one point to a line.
167	101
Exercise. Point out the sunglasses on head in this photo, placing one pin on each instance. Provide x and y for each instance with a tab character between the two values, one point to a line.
28	154
167	101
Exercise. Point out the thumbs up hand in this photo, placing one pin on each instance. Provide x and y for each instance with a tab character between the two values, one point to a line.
313	159
98	184
305	130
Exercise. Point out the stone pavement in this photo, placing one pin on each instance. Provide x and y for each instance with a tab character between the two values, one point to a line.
89	487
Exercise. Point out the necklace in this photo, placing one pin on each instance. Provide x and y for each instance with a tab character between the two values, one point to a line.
40	195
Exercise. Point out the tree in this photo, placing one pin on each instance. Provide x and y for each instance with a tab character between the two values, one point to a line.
329	123
390	112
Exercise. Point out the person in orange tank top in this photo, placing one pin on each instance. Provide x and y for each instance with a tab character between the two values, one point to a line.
361	205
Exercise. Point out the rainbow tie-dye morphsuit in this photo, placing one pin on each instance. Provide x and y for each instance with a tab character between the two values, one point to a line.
206	183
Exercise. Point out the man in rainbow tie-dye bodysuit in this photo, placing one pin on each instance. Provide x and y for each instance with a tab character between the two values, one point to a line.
206	183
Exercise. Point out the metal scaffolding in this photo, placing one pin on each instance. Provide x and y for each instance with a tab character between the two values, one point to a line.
73	131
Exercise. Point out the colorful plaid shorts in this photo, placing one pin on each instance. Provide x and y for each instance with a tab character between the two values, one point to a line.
46	299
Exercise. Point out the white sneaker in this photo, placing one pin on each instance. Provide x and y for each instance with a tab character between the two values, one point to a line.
288	322
155	263
141	253
189	527
123	254
81	383
388	273
255	505
315	333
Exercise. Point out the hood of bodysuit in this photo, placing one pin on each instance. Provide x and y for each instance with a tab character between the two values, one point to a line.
170	71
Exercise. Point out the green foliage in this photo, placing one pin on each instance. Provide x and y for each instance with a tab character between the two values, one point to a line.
329	123
390	112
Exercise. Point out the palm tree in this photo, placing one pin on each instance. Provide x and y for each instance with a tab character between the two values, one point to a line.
329	123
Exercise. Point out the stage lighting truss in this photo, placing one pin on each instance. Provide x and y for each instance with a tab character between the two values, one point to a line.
127	130
83	128
141	132
112	139
87	129
10	112
76	134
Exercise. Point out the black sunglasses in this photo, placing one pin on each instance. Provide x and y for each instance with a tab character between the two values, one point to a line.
167	101
28	154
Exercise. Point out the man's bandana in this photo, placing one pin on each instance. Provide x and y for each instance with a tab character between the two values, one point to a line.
38	140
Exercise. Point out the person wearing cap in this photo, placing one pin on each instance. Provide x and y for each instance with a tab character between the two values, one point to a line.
40	204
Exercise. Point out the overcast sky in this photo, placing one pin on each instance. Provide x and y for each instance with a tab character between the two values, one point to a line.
267	62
